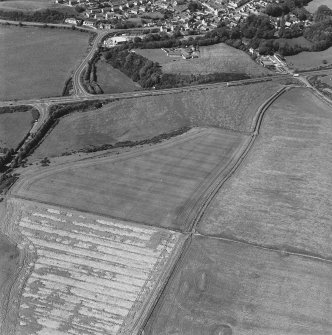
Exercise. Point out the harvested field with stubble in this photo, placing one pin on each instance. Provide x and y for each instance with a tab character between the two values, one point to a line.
226	288
213	58
92	274
160	185
282	195
143	118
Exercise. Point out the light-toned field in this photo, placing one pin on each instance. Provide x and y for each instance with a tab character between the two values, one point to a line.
156	55
112	80
310	60
160	185
13	128
281	197
224	288
216	58
143	118
27	5
35	62
314	4
92	274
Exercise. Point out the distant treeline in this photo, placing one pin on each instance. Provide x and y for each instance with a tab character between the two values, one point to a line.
149	74
44	16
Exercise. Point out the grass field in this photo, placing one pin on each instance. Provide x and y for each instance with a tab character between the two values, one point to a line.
35	62
224	288
214	58
112	80
143	118
27	5
310	60
314	4
282	195
14	126
91	273
156	186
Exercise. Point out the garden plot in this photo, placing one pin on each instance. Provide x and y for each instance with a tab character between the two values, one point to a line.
151	185
92	275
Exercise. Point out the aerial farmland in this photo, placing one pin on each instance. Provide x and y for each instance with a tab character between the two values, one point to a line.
176	181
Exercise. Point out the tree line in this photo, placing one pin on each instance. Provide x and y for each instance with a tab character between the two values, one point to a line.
43	16
149	74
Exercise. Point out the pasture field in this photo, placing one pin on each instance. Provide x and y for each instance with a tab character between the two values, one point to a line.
35	62
112	80
216	58
160	185
310	60
34	5
282	195
156	55
92	274
225	288
143	118
314	4
14	126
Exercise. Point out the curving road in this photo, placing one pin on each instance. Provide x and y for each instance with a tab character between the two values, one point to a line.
77	84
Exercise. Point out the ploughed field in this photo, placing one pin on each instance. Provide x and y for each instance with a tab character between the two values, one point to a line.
226	288
282	195
92	275
143	118
213	58
35	62
160	185
14	126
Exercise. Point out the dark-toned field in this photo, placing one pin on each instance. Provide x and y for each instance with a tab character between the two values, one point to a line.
282	195
13	127
161	185
226	288
35	62
9	256
143	118
112	80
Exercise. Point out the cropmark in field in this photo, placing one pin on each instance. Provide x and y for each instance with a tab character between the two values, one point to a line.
92	275
227	288
282	195
160	185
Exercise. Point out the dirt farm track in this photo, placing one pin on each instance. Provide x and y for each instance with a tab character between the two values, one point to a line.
211	232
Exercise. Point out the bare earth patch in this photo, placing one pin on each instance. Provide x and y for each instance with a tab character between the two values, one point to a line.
92	274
